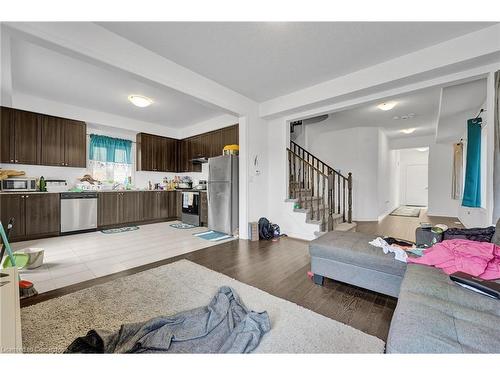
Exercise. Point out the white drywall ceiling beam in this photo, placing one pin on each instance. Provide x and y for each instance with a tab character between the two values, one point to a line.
482	44
91	41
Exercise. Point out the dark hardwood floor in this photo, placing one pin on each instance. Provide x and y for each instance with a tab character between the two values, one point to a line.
280	268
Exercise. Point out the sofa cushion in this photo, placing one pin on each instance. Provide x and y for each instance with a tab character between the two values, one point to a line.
496	236
353	248
434	315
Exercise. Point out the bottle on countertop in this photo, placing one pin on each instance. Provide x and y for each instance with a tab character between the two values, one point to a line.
42	184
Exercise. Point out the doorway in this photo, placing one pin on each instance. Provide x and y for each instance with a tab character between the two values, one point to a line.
416	185
414	179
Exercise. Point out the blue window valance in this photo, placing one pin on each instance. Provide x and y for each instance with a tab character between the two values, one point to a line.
110	150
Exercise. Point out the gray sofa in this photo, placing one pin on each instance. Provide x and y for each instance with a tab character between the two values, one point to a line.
433	314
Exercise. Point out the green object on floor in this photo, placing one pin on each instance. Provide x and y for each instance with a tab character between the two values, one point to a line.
20	261
119	230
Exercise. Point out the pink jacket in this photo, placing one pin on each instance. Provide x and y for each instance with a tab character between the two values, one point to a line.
480	259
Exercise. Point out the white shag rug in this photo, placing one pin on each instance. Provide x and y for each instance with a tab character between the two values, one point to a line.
50	326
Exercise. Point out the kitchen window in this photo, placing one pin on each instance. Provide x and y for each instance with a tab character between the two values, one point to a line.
110	159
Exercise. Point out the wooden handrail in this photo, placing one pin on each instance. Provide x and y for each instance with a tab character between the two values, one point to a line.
330	169
315	157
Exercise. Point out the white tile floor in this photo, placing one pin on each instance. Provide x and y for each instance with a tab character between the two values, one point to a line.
75	258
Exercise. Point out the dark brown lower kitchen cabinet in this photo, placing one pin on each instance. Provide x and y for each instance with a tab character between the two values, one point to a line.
178	204
129	207
108	212
173	204
115	208
150	209
167	204
12	206
43	214
203	209
35	215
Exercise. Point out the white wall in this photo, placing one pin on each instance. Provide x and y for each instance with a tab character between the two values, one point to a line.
352	150
387	177
278	210
440	178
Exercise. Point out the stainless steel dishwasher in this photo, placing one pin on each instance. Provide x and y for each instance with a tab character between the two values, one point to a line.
78	211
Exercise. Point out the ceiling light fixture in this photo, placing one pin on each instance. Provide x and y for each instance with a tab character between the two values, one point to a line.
387	106
140	101
408	131
422	149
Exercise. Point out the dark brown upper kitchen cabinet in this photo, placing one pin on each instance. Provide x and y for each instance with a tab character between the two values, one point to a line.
6	135
35	215
20	136
53	141
33	138
75	143
63	142
171	154
157	154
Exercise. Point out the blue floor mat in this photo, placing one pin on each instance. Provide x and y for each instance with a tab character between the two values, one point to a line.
212	235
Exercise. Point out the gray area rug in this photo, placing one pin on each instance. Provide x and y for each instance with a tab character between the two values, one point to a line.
50	326
406	211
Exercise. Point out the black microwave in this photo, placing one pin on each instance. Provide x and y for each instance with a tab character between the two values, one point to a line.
19	184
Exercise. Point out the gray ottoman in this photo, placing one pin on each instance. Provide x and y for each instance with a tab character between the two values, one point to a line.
348	257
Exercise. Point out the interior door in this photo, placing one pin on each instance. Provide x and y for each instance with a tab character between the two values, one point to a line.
417	185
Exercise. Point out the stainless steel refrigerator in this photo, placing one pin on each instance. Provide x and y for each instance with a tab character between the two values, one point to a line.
222	193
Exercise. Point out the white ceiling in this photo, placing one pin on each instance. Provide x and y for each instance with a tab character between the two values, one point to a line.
41	72
423	103
262	60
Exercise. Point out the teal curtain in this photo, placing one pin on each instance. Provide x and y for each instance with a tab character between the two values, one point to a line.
110	150
472	186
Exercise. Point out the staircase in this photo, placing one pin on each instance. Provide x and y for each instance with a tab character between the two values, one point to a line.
320	192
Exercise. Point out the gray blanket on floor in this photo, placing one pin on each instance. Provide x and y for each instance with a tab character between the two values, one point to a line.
224	326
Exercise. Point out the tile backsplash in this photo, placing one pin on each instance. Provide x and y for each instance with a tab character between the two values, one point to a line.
139	178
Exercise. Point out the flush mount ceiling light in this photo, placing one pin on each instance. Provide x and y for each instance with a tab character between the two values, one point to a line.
387	106
140	101
408	131
404	117
422	149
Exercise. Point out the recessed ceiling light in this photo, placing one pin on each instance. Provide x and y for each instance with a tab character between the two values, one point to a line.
422	149
408	131
387	106
140	101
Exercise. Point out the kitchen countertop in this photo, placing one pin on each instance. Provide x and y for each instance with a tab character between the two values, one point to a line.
101	191
25	192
